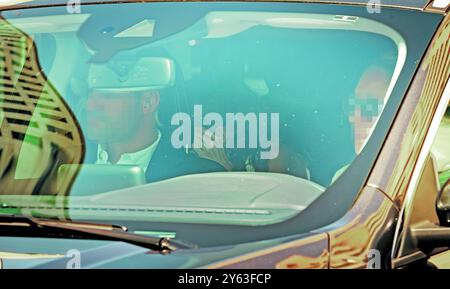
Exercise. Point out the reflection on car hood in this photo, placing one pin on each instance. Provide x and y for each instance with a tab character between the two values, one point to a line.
62	253
234	198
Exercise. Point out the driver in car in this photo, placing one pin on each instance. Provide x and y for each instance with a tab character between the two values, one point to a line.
122	119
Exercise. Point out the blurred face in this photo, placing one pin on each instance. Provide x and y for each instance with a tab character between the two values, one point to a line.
366	107
112	116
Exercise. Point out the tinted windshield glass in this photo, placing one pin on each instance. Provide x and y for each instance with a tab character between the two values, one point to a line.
246	112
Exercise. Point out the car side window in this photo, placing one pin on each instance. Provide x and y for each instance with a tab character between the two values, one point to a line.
435	173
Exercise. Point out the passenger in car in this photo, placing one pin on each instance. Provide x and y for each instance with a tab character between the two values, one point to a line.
366	106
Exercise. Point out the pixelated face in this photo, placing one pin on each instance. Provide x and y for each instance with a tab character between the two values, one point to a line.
366	106
112	116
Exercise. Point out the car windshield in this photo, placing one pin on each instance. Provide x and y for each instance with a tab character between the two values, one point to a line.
195	113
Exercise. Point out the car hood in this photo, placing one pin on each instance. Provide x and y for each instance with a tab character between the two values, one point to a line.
48	253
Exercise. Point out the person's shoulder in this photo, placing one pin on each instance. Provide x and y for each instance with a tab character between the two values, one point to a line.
168	162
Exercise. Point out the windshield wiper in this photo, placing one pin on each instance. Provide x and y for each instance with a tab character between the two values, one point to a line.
50	227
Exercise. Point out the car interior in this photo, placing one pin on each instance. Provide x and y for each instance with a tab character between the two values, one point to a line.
266	86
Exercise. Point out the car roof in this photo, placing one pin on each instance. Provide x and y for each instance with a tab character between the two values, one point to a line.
412	4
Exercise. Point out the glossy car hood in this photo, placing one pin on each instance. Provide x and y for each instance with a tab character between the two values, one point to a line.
19	252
